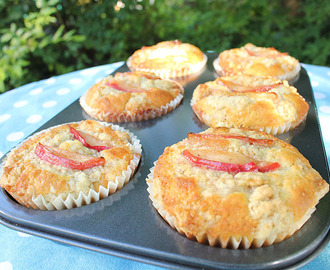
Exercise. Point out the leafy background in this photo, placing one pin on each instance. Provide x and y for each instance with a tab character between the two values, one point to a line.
43	38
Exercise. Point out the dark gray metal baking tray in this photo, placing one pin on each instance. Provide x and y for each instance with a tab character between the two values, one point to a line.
125	224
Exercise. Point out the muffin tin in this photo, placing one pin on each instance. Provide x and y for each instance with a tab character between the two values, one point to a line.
125	224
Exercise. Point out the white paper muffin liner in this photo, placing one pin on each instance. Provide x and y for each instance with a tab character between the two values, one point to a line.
230	242
70	201
276	130
128	117
291	77
171	74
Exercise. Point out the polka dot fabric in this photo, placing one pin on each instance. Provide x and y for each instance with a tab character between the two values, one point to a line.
26	108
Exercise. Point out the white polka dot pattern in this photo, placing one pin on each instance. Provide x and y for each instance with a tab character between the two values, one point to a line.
6	266
63	91
75	81
4	117
15	136
36	91
34	119
50	81
314	84
319	95
20	104
325	109
90	71
49	104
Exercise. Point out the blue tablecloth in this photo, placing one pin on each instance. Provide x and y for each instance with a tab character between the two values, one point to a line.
25	109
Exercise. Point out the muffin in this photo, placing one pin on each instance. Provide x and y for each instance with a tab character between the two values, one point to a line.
70	165
131	96
255	102
234	188
168	59
254	60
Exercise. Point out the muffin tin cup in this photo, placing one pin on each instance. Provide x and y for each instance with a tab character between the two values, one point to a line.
231	242
70	201
274	130
128	117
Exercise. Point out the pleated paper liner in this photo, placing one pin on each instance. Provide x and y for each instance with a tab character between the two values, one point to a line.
274	130
231	242
71	201
291	77
128	117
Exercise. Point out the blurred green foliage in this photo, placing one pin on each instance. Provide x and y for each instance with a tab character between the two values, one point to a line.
43	38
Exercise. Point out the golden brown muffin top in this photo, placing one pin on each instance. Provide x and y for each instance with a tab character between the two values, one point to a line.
168	59
257	102
56	163
131	93
235	182
254	60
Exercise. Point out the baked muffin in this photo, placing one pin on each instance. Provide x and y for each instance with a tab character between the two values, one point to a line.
254	60
255	102
168	59
70	165
234	188
131	96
